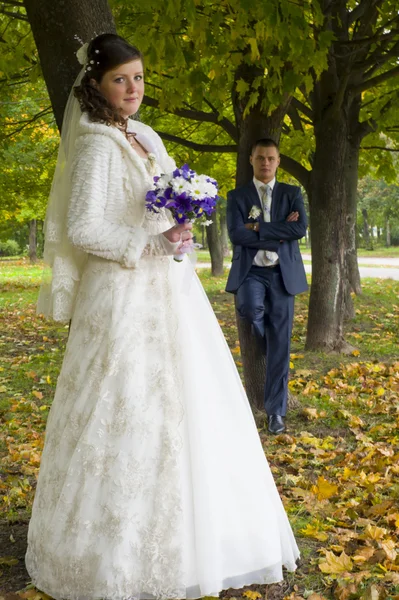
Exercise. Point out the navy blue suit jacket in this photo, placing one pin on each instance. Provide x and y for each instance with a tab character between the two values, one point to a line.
278	235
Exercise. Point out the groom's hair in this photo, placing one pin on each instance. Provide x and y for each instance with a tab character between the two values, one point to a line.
264	143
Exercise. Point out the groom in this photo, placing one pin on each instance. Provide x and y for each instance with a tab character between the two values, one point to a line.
265	218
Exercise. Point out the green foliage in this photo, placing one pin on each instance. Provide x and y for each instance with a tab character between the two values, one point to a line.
197	56
382	204
9	248
29	138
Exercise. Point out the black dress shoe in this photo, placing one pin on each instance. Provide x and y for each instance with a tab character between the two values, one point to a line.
276	424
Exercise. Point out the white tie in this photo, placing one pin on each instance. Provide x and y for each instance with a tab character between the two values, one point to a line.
266	197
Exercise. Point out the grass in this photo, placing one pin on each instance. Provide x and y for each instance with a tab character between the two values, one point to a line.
336	467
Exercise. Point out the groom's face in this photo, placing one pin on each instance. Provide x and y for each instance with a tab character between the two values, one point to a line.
265	161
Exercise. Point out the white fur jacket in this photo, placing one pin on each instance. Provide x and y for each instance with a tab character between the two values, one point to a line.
109	183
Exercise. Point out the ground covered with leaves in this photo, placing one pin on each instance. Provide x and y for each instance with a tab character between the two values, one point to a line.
336	467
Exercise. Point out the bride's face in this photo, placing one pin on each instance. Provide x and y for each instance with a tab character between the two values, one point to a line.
123	87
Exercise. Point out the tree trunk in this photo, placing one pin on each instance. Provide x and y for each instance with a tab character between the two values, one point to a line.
33	241
328	224
54	27
215	246
224	234
388	233
366	230
203	238
253	363
351	181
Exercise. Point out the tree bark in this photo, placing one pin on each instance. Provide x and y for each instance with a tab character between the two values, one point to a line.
33	241
387	233
366	230
224	234
253	364
351	181
328	225
54	26
215	246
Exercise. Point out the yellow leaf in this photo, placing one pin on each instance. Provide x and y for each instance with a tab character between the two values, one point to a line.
389	548
252	595
8	560
363	554
311	413
380	391
356	353
334	564
373	593
291	365
375	533
324	489
236	350
2	389
37	394
48	379
313	531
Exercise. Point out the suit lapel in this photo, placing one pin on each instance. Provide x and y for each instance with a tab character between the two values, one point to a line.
253	199
275	201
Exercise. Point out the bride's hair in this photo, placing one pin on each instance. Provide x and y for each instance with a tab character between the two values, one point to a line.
104	52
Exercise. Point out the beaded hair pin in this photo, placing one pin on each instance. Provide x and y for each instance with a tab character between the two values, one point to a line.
82	56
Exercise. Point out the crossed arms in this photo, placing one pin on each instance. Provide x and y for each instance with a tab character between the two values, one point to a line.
269	235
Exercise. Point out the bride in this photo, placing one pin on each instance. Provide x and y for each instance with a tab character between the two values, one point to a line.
153	481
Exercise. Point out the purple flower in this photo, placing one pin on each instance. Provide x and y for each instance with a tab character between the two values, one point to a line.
181	205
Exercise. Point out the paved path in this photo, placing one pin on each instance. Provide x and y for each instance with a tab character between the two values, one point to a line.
369	260
373	272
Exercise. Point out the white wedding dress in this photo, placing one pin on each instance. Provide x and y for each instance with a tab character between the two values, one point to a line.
153	481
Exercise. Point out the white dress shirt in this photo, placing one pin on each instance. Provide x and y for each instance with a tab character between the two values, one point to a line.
264	258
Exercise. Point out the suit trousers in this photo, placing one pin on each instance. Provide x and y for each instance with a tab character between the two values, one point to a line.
263	301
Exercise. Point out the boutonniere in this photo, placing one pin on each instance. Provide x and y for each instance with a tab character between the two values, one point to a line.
255	212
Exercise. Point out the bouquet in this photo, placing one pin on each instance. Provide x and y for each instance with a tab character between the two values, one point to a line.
187	195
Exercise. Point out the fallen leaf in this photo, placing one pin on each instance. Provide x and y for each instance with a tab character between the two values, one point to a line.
10	561
334	564
324	489
252	595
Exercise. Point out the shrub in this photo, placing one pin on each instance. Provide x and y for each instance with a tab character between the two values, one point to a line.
9	248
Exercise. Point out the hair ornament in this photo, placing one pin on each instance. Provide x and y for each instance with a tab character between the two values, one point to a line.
81	54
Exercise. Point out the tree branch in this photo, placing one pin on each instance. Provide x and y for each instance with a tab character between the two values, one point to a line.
14	15
366	85
198	147
27	122
14	3
300	106
360	10
198	115
295	169
379	148
378	58
295	118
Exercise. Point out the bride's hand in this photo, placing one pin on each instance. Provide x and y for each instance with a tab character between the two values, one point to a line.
180	232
